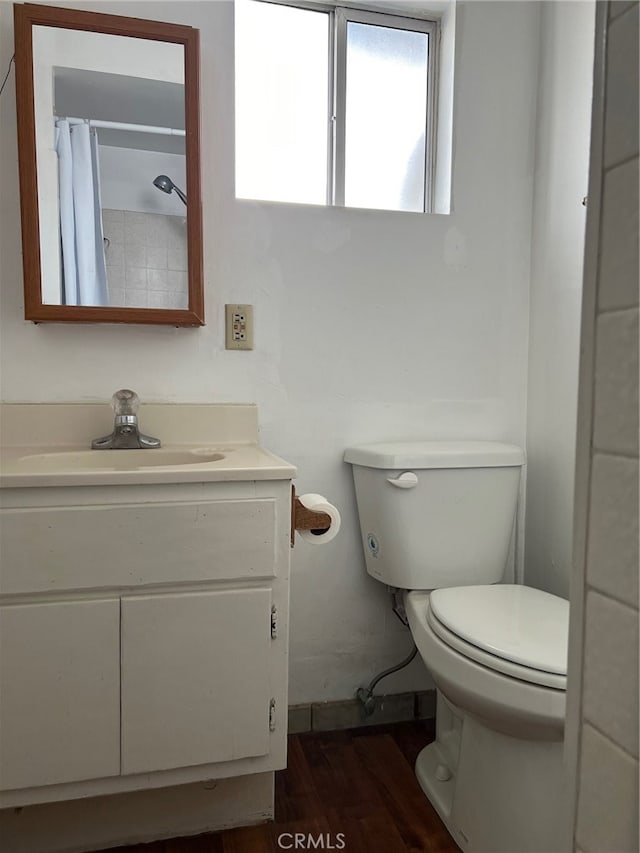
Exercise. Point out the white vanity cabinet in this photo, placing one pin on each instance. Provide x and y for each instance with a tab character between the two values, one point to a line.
144	633
59	692
195	678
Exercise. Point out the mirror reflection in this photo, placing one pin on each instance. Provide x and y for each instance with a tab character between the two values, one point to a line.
111	164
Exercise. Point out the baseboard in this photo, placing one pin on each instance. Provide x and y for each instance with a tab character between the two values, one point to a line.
350	714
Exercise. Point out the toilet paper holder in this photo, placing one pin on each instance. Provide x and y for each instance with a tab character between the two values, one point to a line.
306	519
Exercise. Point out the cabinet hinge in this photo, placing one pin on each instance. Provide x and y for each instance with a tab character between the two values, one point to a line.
272	715
274	621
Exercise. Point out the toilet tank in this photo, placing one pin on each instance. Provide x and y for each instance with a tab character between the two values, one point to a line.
436	514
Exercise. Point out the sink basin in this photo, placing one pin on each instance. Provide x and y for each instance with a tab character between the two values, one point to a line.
48	446
114	460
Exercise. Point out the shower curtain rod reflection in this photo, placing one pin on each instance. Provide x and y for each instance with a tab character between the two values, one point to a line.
120	125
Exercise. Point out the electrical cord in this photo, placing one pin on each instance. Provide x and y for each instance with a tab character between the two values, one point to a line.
6	76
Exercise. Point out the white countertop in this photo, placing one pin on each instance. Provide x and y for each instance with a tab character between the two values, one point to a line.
48	444
78	466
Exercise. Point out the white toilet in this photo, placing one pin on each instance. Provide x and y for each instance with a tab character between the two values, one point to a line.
437	520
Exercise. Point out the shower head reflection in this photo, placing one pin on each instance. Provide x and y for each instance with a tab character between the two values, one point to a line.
164	183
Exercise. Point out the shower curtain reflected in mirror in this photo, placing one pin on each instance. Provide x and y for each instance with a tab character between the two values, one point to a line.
84	278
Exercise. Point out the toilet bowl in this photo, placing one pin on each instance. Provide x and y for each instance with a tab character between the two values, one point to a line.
495	770
522	698
436	520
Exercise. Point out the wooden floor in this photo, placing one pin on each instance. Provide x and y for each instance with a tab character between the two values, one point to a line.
359	783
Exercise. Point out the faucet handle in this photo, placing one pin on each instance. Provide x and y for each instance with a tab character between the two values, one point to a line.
125	402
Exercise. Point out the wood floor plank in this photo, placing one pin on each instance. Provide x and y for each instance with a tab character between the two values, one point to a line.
380	836
413	815
338	774
257	839
209	843
364	831
411	740
296	794
356	782
284	834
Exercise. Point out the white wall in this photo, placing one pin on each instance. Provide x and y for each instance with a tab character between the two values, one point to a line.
126	180
561	176
369	324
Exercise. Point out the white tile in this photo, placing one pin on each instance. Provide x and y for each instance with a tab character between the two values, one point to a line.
135	256
156	257
618	281
612	549
109	215
176	300
135	229
136	277
115	277
158	299
617	7
113	231
176	232
133	217
607	797
135	234
114	255
116	296
621	104
135	298
177	258
616	382
156	230
157	279
610	685
167	299
177	281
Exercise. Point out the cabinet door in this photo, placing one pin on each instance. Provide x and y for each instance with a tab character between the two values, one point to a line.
195	678
59	692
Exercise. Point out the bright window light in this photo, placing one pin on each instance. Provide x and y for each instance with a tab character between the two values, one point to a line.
386	118
334	107
282	102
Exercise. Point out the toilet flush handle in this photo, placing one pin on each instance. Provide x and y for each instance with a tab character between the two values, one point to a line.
408	480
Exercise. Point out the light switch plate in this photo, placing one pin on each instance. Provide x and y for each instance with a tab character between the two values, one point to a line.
239	326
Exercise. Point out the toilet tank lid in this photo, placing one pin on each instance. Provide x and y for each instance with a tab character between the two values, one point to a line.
435	454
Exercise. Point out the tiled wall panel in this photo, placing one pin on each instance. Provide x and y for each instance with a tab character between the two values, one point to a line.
615	426
619	249
607	780
608	814
610	698
613	527
146	259
621	99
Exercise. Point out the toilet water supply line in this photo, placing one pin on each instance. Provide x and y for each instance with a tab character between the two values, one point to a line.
364	695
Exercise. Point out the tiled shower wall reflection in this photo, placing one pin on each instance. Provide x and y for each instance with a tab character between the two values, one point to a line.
146	258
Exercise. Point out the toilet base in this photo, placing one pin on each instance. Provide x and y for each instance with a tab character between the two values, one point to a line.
504	794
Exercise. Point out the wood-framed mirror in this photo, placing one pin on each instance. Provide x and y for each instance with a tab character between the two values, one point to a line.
109	161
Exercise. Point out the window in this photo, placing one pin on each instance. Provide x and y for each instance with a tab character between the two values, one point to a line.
334	106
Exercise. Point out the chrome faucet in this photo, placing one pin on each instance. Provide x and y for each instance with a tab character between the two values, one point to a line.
125	435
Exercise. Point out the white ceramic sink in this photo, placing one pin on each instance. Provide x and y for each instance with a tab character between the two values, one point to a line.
48	445
114	460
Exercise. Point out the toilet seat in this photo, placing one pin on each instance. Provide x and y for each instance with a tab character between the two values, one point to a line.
506	700
497	664
516	630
